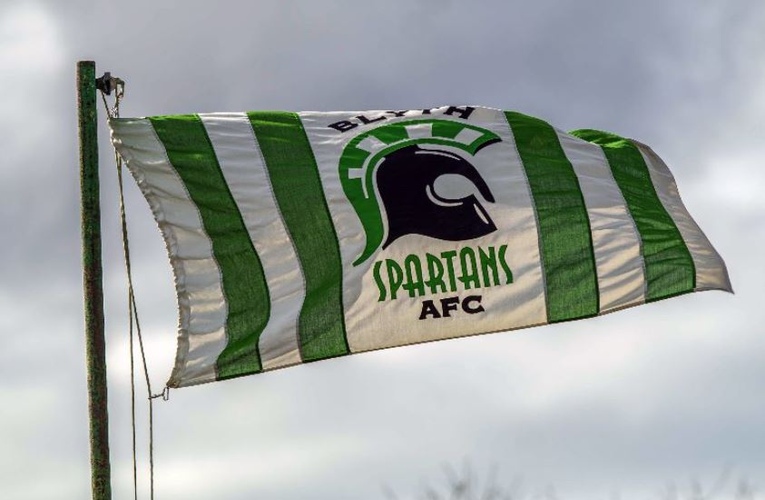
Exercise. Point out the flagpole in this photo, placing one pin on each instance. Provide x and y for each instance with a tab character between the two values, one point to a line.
95	345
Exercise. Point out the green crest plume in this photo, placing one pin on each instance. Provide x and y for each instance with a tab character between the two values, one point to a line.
363	154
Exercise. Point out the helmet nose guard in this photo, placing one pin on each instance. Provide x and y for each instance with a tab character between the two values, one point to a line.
405	181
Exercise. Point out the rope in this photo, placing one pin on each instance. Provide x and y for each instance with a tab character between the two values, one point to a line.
134	323
132	393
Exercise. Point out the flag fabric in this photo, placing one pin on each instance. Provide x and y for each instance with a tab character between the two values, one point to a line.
295	237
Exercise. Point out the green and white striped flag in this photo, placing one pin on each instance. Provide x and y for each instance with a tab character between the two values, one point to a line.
296	237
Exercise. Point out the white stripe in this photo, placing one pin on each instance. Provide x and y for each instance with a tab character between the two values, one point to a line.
467	136
244	169
202	305
711	273
355	173
371	144
419	131
615	239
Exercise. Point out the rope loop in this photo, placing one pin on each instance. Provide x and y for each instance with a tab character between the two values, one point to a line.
165	394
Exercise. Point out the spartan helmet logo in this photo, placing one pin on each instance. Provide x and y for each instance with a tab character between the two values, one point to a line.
392	176
406	181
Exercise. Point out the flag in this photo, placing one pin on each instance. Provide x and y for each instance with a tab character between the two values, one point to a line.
295	237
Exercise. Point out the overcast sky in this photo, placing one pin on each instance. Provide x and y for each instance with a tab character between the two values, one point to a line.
627	403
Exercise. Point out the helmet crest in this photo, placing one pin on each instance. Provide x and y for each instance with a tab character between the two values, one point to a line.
398	164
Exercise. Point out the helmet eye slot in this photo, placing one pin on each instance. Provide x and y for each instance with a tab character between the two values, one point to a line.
452	187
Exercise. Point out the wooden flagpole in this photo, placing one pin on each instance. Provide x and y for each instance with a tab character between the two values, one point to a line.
95	345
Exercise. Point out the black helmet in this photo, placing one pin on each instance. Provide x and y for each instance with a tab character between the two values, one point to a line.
405	181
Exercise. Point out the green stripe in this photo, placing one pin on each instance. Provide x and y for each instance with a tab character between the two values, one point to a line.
568	260
244	284
298	191
669	268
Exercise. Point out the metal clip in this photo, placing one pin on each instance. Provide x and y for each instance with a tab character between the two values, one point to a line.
107	83
165	394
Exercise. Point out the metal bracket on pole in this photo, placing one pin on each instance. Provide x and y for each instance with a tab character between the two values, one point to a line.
107	83
95	344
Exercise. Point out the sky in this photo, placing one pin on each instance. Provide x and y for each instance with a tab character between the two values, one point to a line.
622	406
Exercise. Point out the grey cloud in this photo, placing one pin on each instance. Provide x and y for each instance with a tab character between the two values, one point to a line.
681	394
